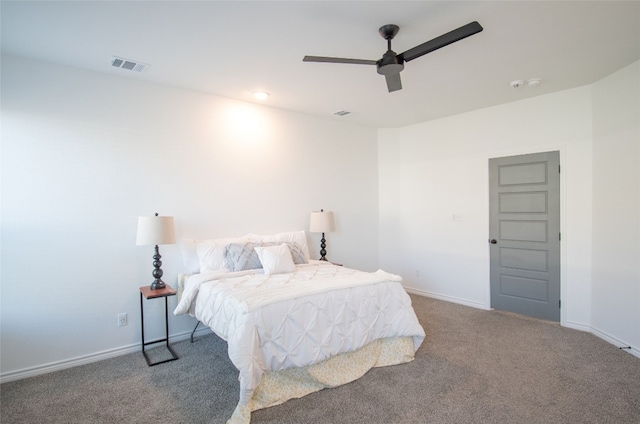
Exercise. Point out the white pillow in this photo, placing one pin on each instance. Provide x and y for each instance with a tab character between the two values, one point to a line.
211	253
275	259
298	237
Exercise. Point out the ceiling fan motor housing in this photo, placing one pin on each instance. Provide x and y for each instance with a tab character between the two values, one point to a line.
390	64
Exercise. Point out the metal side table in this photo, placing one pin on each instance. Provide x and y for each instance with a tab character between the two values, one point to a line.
147	293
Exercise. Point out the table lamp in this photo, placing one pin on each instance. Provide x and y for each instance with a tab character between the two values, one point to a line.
322	222
156	230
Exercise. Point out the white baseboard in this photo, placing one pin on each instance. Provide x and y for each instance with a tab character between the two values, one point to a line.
577	326
620	344
94	357
452	299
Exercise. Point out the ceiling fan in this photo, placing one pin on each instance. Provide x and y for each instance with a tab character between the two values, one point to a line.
391	63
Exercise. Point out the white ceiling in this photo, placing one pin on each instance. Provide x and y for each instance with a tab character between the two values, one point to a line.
231	48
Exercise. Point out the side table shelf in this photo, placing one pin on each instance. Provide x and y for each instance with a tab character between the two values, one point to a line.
147	293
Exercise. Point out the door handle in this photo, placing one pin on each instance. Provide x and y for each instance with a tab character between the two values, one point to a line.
493	241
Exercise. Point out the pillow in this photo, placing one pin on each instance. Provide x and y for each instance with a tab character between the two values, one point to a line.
275	259
297	237
211	253
242	256
297	254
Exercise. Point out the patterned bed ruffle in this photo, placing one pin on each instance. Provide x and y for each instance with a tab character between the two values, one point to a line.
277	387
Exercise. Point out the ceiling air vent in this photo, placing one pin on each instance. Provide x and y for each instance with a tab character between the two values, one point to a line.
130	65
342	113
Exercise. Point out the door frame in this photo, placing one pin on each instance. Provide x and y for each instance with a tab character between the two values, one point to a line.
563	243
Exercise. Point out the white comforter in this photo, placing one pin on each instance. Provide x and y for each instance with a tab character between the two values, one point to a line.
273	322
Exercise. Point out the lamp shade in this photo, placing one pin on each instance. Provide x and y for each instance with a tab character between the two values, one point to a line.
155	230
322	222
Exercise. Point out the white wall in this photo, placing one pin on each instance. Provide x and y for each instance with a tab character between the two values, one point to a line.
430	171
616	211
84	154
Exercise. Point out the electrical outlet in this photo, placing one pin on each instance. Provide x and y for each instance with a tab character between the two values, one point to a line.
122	320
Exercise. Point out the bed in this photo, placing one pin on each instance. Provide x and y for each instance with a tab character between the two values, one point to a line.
294	325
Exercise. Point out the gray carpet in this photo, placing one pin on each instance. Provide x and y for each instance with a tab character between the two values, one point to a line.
474	367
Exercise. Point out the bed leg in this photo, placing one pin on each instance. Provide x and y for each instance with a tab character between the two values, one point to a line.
194	330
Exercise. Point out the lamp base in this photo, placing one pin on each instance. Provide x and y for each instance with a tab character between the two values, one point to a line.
157	285
157	271
323	252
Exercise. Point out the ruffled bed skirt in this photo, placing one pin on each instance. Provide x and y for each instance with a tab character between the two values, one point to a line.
279	386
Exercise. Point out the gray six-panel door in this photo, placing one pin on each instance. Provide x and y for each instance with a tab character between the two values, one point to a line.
524	233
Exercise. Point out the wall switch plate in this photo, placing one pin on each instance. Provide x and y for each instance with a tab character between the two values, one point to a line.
122	320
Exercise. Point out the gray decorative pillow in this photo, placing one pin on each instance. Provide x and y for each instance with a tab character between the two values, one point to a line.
296	253
242	256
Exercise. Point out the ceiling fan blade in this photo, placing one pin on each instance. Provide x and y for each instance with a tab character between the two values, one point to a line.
393	82
444	40
338	60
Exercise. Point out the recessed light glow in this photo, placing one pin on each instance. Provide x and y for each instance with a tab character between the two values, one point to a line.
260	95
246	124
